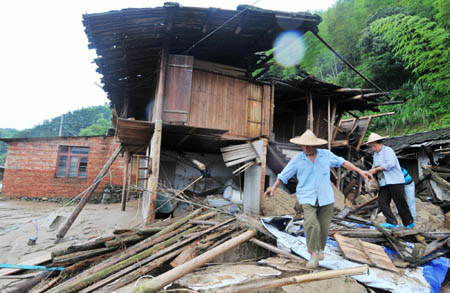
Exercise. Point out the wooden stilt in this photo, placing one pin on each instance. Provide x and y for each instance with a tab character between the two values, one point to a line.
86	197
155	149
124	185
130	171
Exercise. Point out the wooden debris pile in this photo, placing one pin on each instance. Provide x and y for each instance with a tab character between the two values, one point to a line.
166	250
357	231
108	263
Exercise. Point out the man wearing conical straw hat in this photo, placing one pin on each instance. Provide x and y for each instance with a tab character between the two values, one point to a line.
391	181
314	191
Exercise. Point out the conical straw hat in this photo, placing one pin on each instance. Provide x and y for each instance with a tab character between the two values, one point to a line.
375	137
308	138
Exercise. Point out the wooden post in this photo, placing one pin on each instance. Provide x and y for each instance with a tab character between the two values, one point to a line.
155	148
179	271
263	172
272	110
125	177
310	112
130	172
86	197
301	279
333	121
329	123
339	178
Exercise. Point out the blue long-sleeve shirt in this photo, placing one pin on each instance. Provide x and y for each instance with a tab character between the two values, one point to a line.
314	183
387	159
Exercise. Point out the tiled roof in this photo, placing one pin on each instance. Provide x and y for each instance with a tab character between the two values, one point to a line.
434	137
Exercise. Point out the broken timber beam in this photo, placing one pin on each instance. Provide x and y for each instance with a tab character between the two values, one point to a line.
276	250
438	179
179	271
86	197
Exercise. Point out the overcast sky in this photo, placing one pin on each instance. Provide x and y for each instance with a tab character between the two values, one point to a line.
45	65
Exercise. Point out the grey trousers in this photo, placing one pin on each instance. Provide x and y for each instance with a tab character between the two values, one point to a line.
317	220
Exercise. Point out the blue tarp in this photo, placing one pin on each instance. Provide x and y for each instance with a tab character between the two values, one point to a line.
434	271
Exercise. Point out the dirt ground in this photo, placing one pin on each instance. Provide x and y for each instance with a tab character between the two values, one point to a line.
17	227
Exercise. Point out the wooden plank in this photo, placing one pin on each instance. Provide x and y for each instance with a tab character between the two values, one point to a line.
238	151
46	257
342	214
365	252
188	253
235	162
177	98
435	245
235	147
233	156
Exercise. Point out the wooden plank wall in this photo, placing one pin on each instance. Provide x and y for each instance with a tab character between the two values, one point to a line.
236	105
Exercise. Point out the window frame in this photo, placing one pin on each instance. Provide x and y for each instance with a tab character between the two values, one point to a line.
69	156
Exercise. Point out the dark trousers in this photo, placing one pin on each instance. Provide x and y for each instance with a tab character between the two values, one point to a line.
397	193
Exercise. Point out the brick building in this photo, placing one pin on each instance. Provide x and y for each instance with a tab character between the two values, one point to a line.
58	167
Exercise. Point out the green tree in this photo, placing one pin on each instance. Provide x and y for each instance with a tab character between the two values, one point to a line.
422	45
5	133
99	128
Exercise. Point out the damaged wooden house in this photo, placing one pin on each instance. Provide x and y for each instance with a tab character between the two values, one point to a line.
182	82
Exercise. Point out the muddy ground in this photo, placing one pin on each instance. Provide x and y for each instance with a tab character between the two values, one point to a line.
17	227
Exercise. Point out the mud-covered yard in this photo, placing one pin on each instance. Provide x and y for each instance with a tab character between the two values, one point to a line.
18	220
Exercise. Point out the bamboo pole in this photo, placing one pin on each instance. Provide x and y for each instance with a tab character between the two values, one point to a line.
72	258
83	283
26	285
139	271
165	234
302	279
94	244
179	271
86	197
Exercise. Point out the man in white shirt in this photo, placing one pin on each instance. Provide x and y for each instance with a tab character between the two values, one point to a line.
392	183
